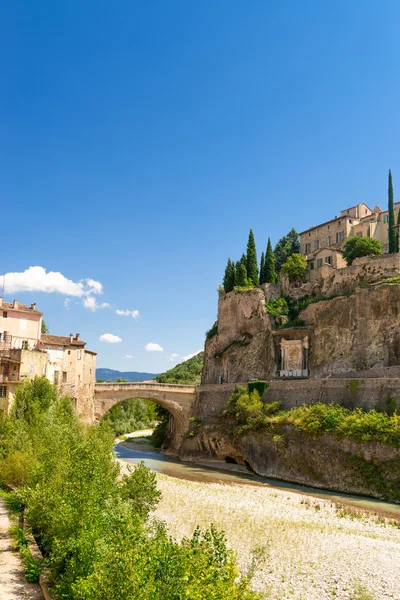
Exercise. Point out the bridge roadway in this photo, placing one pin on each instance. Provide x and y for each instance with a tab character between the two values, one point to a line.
177	399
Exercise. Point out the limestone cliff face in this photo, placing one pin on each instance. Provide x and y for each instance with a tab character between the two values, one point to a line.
243	349
322	461
355	333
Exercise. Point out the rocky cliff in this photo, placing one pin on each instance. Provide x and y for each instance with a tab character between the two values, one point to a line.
355	333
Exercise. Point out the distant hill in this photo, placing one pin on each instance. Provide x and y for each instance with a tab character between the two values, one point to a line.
110	374
188	372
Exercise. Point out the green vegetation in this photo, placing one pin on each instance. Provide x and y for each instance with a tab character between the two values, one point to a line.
251	260
259	385
277	308
295	267
353	385
92	525
45	329
316	418
132	415
356	246
269	269
212	332
32	566
393	242
229	276
245	273
288	244
188	372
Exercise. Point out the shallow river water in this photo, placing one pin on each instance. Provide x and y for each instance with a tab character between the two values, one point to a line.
208	473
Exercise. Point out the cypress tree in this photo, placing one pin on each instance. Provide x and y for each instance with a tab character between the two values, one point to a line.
288	244
251	256
392	232
240	274
229	277
243	260
269	269
262	268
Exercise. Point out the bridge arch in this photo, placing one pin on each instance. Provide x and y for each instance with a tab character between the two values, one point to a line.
177	399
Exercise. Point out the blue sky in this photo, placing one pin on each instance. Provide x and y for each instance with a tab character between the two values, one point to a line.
141	141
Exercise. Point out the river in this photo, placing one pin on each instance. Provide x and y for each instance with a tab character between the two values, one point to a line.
209	473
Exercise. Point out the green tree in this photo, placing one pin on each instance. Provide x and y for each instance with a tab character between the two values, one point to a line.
262	268
288	244
398	223
360	246
392	232
45	329
229	277
241	274
251	258
269	269
295	267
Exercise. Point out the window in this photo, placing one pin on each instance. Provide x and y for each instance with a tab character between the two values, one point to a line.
319	263
55	376
3	391
328	259
65	376
22	324
2	336
5	314
385	219
78	355
311	266
339	237
339	223
59	352
350	220
69	351
316	244
308	248
329	240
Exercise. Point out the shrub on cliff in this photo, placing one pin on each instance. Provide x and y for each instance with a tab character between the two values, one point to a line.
357	246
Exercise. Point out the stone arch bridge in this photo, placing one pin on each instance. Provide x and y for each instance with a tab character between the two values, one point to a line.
177	399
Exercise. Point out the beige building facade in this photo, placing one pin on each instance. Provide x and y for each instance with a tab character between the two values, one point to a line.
26	352
323	244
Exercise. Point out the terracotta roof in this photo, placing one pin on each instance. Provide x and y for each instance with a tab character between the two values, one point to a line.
60	340
21	308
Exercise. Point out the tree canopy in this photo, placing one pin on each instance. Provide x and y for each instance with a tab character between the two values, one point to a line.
392	234
295	267
360	246
288	244
251	259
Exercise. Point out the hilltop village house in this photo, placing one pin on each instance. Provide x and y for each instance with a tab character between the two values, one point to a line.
25	352
323	244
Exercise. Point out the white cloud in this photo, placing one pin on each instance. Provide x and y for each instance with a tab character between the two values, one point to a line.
190	355
127	356
173	357
37	279
66	303
110	338
91	303
153	348
126	313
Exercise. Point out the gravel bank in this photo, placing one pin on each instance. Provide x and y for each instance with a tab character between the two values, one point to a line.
307	548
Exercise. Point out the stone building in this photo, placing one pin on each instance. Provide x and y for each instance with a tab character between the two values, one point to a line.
26	352
323	244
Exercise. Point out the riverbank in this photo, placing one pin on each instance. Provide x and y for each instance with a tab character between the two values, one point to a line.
313	548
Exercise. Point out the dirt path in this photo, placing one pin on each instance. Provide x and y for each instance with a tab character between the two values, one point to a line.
13	585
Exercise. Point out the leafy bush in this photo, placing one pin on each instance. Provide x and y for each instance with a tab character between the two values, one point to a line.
93	525
258	385
277	307
212	332
357	246
295	267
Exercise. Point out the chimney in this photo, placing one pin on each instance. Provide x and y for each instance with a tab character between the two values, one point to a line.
33	306
1	301
15	304
78	337
71	338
